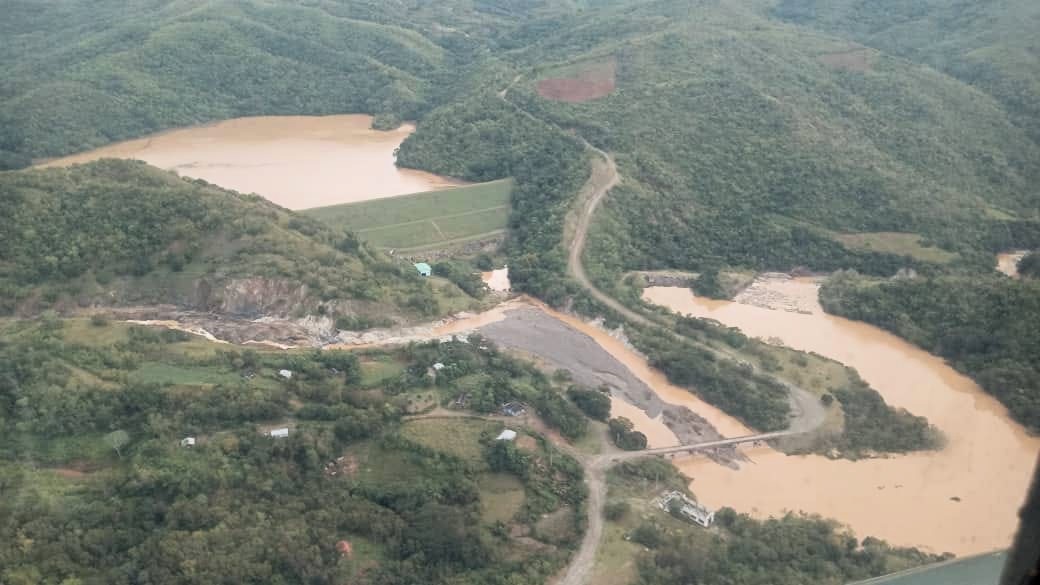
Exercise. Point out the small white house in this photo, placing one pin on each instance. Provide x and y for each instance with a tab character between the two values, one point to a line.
506	435
287	374
438	366
188	442
279	433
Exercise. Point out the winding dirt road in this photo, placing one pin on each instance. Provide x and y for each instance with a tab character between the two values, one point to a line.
808	413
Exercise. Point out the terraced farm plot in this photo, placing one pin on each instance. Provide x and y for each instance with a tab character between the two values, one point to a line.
424	219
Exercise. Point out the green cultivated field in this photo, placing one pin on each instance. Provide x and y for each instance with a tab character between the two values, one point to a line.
424	219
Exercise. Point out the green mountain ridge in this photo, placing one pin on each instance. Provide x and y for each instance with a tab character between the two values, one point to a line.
990	45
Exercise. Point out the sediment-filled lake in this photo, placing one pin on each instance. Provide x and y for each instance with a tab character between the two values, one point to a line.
297	162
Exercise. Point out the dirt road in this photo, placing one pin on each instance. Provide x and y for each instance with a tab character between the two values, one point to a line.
807	410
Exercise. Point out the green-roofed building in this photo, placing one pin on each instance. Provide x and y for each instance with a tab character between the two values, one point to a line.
977	570
424	269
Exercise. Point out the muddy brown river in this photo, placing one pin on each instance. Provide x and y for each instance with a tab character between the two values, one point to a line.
963	499
297	162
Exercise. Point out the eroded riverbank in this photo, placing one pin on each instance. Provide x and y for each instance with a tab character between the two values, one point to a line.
298	162
963	499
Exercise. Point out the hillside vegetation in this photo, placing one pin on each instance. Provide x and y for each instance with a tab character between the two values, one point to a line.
80	74
990	45
740	144
95	486
120	232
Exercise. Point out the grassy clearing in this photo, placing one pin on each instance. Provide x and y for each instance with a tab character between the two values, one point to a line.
82	332
89	448
456	436
382	466
49	485
896	243
188	375
501	497
424	219
420	401
450	298
592	442
374	371
556	527
616	560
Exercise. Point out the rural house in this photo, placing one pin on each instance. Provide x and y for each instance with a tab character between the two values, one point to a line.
687	508
513	409
424	269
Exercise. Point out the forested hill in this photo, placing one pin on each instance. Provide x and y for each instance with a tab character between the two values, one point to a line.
990	45
79	74
750	142
750	133
120	232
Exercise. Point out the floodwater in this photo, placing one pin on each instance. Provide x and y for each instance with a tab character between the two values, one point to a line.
1007	262
497	280
657	433
298	162
963	499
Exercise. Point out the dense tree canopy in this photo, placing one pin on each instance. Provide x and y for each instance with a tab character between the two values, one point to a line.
120	232
96	487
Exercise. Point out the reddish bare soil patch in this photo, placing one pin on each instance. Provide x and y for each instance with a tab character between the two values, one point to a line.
69	473
852	60
527	443
594	81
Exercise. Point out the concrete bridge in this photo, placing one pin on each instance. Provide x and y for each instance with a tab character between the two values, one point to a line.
694	447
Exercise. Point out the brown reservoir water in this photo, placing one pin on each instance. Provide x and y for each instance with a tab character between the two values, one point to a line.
963	499
297	162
